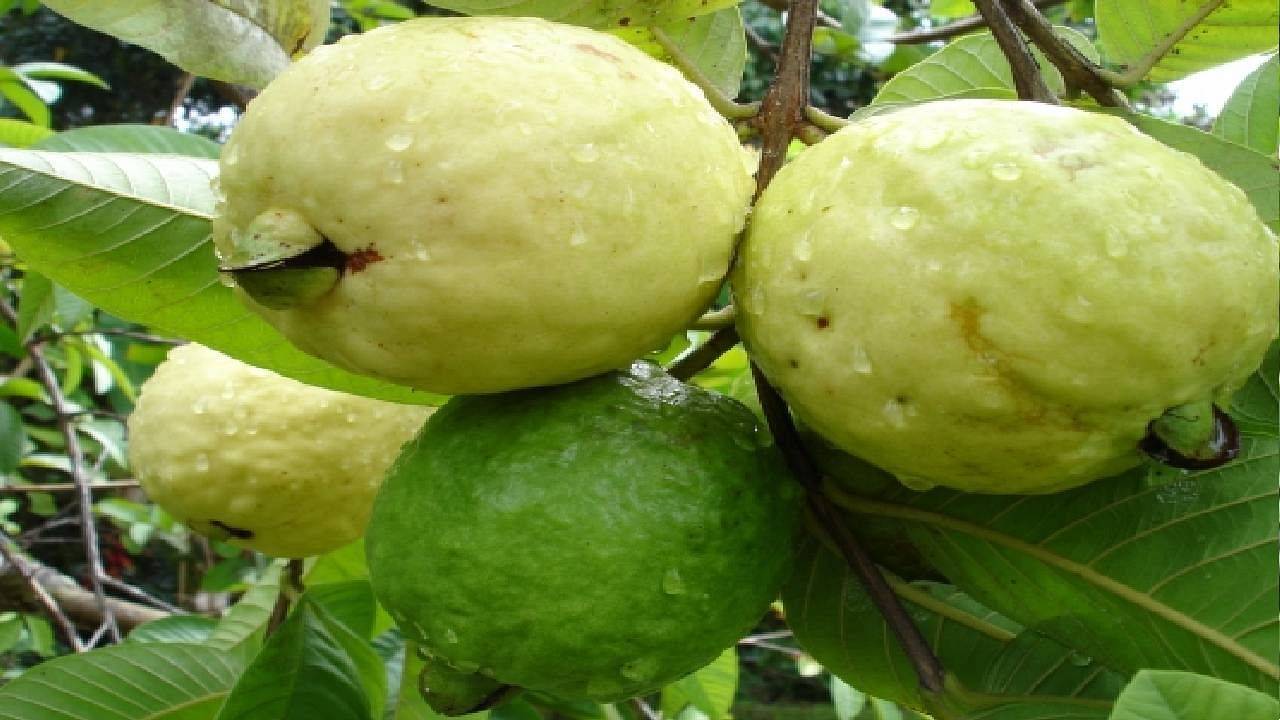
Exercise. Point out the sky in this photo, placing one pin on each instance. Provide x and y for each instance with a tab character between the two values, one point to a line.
1211	88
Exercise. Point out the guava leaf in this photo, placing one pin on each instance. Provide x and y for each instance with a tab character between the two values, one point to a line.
131	139
599	14
241	41
715	44
20	133
175	629
1169	695
312	667
160	681
1254	173
351	602
709	690
1128	30
1012	672
1249	117
15	89
1150	569
973	62
131	234
242	625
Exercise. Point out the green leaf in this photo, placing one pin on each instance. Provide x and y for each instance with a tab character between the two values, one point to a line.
20	133
1254	173
600	14
312	667
1007	669
59	71
350	602
131	234
1249	117
1128	30
35	308
1167	573
1167	695
231	41
973	62
10	630
345	563
710	690
244	622
168	681
193	629
715	44
14	88
131	139
13	438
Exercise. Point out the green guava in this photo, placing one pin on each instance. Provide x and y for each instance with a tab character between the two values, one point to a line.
472	205
593	540
242	454
1002	296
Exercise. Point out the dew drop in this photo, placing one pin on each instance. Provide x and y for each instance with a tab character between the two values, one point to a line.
860	361
202	463
200	406
803	251
578	238
753	300
894	413
582	190
374	83
420	252
640	670
450	636
228	390
416	113
813	302
672	583
394	172
524	128
399	142
585	153
1006	171
916	483
351	418
930	137
1117	246
845	163
904	218
230	429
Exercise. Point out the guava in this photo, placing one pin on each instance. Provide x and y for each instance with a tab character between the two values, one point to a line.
1002	296
268	463
472	205
592	540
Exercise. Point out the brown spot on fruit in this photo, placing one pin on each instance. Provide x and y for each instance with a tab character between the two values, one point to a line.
361	259
593	50
823	323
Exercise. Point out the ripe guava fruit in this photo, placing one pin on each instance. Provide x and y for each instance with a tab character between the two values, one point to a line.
242	454
472	205
592	540
1002	296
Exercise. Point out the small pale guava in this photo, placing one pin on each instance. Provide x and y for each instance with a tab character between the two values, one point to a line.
242	454
472	205
593	540
1002	296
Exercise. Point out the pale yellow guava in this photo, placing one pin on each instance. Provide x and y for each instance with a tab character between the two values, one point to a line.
1000	296
508	202
268	463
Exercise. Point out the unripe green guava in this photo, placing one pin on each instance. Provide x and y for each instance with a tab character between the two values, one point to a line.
592	540
242	454
491	203
1001	296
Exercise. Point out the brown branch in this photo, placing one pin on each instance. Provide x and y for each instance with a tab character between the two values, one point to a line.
927	665
40	595
290	588
69	487
1027	79
66	420
950	30
179	97
782	110
705	354
1078	72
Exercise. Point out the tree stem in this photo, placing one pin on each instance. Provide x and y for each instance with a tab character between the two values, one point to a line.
702	356
1027	79
1078	71
721	102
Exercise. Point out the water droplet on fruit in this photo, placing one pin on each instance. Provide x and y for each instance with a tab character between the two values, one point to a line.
374	83
916	483
860	361
578	238
524	128
640	670
420	252
200	406
202	463
894	413
1006	171
974	158
581	190
904	218
394	172
585	153
803	251
753	300
399	142
414	114
813	302
228	390
230	429
930	137
1079	308
351	418
1117	246
672	583
845	163
450	636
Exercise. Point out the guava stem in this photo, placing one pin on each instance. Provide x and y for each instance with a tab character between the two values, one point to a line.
701	357
1027	79
721	102
291	588
1195	436
1078	71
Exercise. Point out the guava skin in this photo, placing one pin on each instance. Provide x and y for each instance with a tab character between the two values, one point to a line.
594	540
268	463
1001	296
521	203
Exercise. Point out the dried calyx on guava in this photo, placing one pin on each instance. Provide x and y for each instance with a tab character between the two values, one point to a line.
473	205
1006	297
592	540
242	454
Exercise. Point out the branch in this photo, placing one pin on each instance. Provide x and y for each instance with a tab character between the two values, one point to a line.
67	426
70	487
950	30
290	588
1078	71
1026	72
702	356
40	595
782	110
928	668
